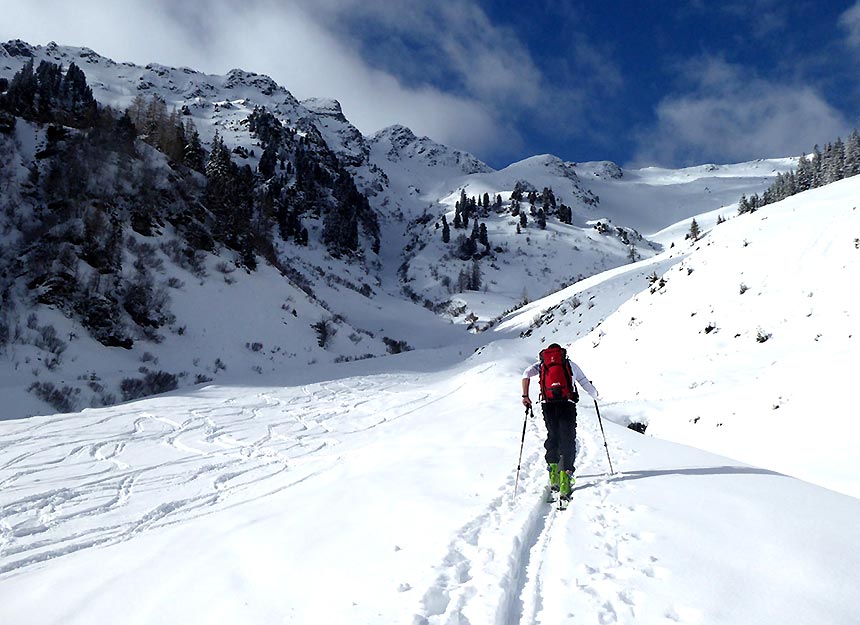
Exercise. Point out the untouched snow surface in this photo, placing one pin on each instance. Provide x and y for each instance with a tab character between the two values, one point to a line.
382	491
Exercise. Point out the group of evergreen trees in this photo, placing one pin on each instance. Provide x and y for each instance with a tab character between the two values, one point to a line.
48	95
541	205
467	208
301	176
96	183
838	160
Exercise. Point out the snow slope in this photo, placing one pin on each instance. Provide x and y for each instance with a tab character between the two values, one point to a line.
382	491
749	348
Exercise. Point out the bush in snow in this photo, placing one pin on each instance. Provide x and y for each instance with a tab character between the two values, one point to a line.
394	346
60	399
150	384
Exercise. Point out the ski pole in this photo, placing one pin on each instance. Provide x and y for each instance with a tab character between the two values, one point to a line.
600	421
522	442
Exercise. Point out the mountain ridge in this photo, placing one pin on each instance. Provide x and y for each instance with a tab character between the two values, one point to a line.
411	185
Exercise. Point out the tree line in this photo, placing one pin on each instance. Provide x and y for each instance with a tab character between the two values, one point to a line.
838	160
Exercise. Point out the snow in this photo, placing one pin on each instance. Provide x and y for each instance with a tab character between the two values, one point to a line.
382	491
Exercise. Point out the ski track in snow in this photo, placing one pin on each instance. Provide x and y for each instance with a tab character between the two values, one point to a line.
478	583
220	456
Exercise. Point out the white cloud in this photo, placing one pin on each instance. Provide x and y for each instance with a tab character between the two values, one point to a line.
730	116
850	23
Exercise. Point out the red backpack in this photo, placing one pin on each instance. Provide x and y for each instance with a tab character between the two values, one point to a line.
556	377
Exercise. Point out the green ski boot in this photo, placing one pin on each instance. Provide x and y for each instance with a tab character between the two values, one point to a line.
566	482
553	476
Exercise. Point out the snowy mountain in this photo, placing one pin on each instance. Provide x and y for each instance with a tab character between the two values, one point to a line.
392	479
299	160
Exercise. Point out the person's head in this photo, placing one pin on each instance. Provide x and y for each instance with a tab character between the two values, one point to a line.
554	345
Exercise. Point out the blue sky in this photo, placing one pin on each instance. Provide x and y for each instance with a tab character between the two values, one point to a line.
640	83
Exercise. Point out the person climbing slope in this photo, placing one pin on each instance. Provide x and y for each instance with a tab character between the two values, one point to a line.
558	376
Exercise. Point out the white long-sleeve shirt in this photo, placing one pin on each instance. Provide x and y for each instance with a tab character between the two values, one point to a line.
578	375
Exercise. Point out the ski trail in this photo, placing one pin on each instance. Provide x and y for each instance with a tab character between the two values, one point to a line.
104	476
510	565
483	576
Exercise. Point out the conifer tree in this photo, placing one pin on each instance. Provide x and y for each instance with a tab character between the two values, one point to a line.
483	237
805	174
695	233
475	277
852	154
193	155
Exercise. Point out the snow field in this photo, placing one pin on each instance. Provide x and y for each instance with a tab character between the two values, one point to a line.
388	497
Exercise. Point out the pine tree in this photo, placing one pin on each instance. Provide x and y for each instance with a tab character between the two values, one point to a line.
475	277
695	233
852	154
124	134
194	155
836	162
817	168
805	174
446	230
268	162
565	214
476	231
20	95
483	237
221	190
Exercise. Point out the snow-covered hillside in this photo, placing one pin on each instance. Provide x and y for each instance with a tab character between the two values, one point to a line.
228	322
745	343
383	490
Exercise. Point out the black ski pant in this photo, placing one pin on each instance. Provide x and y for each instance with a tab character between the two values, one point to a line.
560	420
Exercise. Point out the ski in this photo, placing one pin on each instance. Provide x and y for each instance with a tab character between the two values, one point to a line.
553	498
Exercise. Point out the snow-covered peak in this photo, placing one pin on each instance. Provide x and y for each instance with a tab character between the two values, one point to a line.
327	107
16	48
600	169
401	144
240	78
544	164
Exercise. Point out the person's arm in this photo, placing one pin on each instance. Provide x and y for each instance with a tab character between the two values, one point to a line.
527	375
583	381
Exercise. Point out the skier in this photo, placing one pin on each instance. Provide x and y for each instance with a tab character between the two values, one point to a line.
558	399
